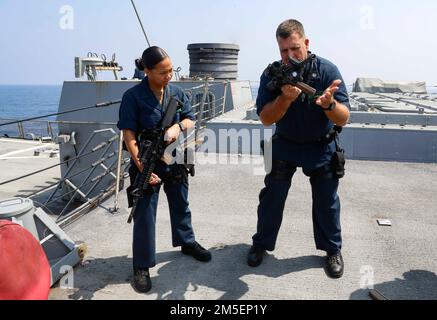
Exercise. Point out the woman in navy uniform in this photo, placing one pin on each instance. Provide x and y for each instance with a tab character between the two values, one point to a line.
142	108
301	125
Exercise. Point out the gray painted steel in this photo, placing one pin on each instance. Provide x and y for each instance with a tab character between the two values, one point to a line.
396	118
390	143
374	85
360	141
394	102
219	60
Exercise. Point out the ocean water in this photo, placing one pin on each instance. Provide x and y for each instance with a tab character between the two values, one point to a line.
20	102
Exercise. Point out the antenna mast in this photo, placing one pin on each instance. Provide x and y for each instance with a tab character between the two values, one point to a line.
141	24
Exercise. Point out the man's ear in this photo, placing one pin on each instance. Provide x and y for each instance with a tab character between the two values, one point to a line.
307	43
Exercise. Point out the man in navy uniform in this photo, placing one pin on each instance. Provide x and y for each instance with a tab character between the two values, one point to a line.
302	123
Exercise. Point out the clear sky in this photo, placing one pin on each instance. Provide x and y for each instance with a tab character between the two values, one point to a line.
392	40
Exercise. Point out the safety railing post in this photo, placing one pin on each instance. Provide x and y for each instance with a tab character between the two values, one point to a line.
117	183
202	105
21	130
224	96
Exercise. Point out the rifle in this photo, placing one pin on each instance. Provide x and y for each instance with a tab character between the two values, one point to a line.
152	146
292	73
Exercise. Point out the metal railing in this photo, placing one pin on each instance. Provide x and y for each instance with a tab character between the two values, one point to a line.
65	188
50	131
78	183
20	127
209	106
87	185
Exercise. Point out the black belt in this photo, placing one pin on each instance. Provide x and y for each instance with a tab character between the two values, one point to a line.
326	139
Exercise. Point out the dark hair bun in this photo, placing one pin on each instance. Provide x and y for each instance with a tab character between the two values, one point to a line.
152	56
139	64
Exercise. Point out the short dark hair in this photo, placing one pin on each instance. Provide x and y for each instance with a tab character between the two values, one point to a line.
151	57
288	27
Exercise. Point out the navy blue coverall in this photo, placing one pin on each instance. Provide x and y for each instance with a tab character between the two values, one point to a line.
141	110
296	143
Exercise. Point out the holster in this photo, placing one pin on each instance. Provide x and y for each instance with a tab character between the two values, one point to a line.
130	198
338	161
336	167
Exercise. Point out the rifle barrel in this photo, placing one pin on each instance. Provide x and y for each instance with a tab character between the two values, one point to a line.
306	88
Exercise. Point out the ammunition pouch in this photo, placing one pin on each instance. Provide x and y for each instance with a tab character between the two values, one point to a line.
178	174
191	170
189	162
323	173
282	171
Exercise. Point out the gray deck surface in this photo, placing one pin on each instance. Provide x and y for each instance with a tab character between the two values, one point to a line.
223	200
17	159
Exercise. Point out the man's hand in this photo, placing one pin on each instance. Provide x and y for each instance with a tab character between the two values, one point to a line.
290	92
276	109
172	134
328	96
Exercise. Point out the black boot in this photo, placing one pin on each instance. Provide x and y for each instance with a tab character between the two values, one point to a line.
196	251
142	282
335	265
255	256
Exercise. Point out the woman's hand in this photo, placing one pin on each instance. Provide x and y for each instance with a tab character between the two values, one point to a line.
154	179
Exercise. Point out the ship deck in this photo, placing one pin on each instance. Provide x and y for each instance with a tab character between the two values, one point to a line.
398	260
18	158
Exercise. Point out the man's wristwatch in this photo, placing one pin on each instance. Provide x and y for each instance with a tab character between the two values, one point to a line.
331	106
181	126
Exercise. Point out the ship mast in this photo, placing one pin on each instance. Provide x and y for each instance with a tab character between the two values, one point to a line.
141	24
